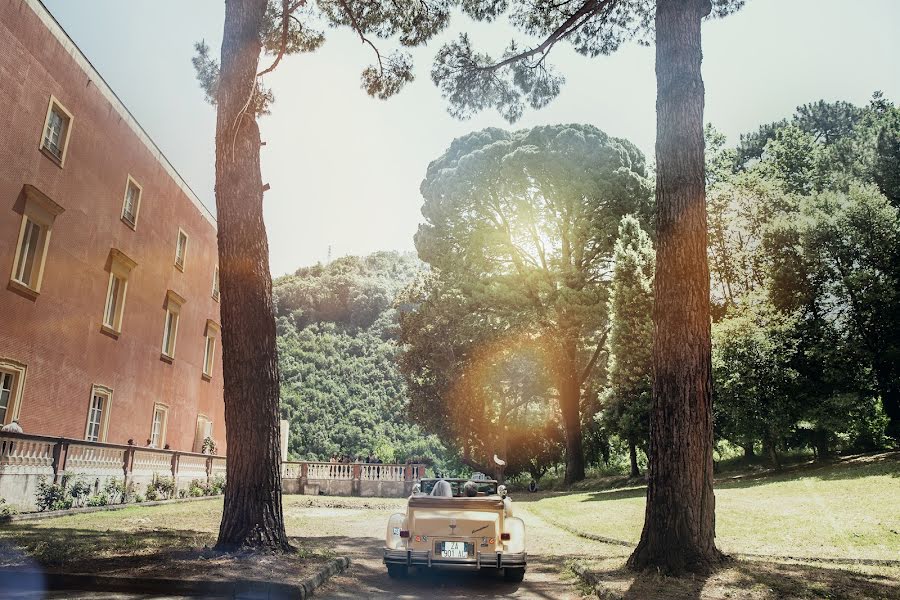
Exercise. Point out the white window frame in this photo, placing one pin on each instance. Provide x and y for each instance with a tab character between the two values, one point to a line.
181	259
209	348
14	405
160	432
216	292
66	134
39	210
98	391
129	184
200	436
174	302
119	267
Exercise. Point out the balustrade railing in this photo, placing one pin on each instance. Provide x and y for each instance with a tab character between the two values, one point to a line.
35	455
97	461
26	456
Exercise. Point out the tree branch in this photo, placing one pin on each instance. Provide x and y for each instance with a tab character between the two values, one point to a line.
590	366
354	24
286	11
587	10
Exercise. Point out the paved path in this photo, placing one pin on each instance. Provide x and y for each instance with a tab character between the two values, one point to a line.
546	578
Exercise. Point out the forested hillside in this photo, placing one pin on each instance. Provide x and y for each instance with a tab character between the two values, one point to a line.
340	386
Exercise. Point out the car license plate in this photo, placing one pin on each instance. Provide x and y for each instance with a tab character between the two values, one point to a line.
454	550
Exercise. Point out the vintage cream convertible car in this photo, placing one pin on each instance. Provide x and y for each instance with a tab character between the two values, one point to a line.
445	527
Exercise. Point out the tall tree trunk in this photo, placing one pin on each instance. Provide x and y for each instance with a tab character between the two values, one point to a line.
821	441
252	517
748	449
770	451
889	386
570	407
679	524
632	458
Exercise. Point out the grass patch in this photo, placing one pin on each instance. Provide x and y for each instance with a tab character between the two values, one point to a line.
819	531
159	541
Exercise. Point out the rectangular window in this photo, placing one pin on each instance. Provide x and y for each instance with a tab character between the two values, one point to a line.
209	356
27	253
170	325
158	426
7	381
204	430
113	301
215	289
180	249
120	267
12	381
209	352
57	128
38	215
169	334
98	414
132	203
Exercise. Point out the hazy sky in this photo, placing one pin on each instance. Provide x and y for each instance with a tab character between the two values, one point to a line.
345	169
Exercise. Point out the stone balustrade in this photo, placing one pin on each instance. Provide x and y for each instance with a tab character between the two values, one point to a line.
26	459
353	479
26	456
93	460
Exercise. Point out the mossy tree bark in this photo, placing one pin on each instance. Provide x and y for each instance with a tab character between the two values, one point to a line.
252	518
679	525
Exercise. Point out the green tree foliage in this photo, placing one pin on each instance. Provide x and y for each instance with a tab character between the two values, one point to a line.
841	263
827	146
756	385
804	261
341	389
626	399
519	230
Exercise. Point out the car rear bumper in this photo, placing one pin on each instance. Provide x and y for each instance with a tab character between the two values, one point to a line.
424	558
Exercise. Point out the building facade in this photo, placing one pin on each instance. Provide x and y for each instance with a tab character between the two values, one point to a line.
109	303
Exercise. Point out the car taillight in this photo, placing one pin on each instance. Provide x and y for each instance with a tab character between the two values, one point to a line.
503	536
418	538
404	533
491	541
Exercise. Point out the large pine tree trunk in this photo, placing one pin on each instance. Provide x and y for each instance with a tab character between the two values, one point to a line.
252	517
570	407
679	524
632	459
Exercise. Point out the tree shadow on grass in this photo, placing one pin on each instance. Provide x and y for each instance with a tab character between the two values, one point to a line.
748	580
147	554
834	469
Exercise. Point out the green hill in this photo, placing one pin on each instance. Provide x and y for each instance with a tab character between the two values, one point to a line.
341	389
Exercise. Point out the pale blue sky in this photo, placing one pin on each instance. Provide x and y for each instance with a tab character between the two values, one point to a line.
345	169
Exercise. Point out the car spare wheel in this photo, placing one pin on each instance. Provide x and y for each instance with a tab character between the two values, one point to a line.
514	575
395	571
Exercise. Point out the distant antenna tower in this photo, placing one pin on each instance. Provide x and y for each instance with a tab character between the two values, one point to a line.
328	259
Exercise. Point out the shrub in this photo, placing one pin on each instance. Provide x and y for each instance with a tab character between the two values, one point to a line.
77	489
115	491
100	499
152	494
138	498
52	496
165	486
217	485
198	488
182	493
6	511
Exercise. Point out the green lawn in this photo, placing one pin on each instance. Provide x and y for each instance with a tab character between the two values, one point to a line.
850	510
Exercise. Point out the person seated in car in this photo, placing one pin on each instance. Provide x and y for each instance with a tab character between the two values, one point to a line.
442	489
470	489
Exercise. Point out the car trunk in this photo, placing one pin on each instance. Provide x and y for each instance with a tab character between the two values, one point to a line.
455	528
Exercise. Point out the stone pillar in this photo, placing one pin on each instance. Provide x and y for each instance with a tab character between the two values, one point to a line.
285	427
60	452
